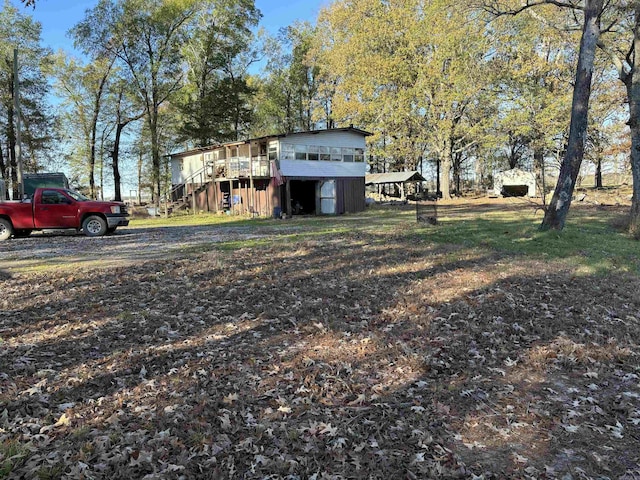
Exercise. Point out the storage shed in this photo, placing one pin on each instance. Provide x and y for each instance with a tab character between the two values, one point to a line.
514	183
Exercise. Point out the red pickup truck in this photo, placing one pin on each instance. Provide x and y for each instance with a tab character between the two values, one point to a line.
58	208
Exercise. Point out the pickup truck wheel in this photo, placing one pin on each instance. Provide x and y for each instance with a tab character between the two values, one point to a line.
94	226
6	229
22	233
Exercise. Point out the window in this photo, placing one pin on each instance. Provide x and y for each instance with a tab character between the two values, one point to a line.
51	197
273	151
301	152
347	154
234	167
78	197
287	152
243	165
324	154
317	153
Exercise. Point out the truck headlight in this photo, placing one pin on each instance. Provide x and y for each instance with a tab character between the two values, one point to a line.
115	209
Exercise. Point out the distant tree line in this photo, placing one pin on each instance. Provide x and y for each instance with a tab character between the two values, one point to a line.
472	85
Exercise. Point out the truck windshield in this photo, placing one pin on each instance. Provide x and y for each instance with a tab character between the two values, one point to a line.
78	197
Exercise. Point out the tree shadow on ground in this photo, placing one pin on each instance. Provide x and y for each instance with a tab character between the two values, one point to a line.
360	355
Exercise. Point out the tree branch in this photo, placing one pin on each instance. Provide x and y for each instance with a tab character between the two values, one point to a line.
623	73
495	8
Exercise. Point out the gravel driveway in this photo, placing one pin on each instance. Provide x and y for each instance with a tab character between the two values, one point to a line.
128	245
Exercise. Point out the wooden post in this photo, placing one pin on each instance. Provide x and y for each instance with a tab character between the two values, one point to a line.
246	193
215	195
287	199
193	195
251	199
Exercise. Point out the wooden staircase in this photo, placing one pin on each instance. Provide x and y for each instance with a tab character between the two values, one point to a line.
184	200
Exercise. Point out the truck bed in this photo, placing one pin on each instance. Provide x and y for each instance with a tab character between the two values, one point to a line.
21	213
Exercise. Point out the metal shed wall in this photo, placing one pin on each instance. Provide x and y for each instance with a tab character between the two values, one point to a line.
350	195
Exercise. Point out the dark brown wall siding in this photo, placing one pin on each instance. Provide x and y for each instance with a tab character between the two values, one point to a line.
266	197
349	196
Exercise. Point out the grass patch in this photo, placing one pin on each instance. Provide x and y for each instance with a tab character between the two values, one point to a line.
589	241
13	454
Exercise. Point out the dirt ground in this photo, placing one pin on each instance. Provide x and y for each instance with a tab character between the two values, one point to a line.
239	352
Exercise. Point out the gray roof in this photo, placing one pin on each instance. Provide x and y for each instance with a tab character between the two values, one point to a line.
393	177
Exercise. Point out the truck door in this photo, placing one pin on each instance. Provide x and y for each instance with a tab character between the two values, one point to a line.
55	210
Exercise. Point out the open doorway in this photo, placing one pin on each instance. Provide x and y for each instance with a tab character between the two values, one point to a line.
303	197
515	190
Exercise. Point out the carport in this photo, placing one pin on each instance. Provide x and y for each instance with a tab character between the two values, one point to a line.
395	178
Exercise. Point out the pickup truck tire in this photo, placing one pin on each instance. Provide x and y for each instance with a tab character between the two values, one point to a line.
6	229
94	226
22	233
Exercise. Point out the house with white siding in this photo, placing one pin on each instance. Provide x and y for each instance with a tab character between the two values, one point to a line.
314	172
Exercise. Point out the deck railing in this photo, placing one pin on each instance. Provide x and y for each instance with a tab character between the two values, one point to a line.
241	167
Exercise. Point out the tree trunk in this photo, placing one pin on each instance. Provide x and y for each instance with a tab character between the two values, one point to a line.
92	161
140	175
634	217
445	170
538	163
102	168
202	94
556	215
633	93
597	181
115	163
457	172
97	104
3	173
155	157
11	140
634	123
3	166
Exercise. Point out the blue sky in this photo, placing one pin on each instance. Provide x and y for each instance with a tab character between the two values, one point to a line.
58	16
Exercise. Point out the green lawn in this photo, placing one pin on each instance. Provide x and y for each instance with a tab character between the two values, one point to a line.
592	239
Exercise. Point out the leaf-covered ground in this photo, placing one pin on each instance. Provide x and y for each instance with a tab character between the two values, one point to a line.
303	349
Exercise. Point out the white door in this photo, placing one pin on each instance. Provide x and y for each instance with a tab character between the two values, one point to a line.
328	197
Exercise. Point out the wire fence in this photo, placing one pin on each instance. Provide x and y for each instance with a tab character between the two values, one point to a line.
427	212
